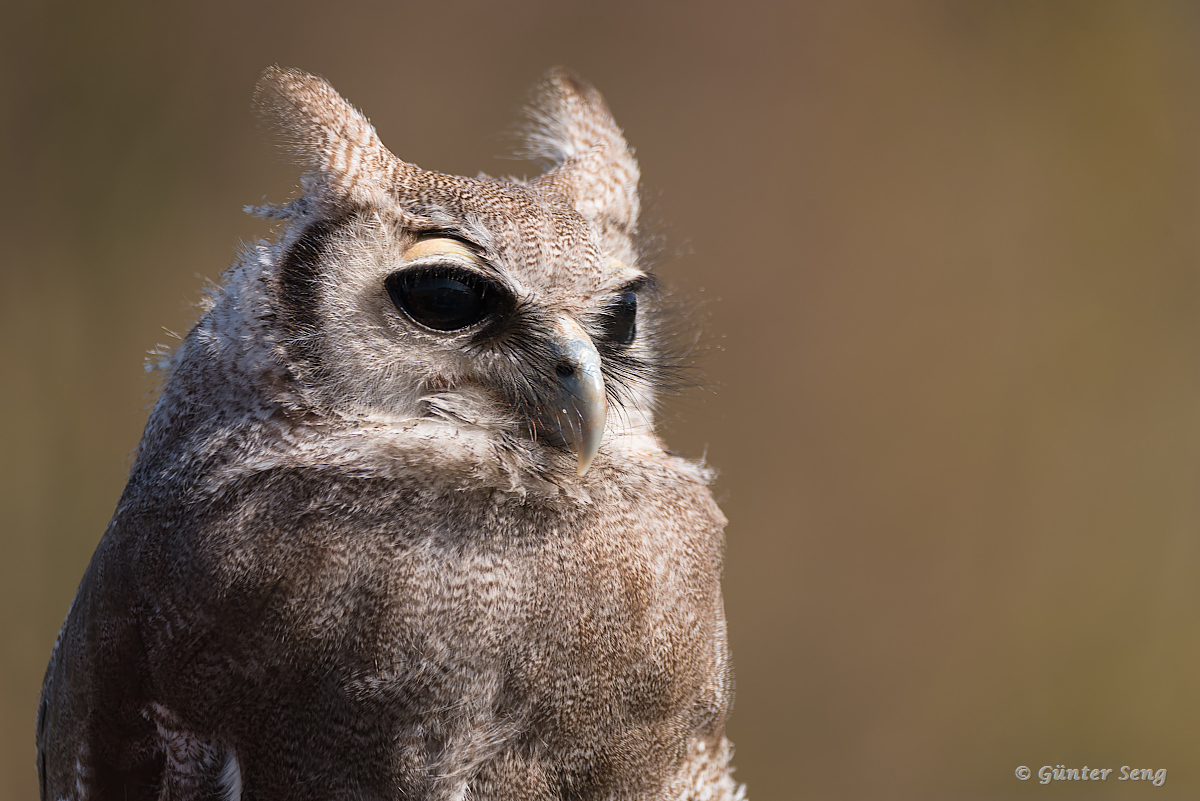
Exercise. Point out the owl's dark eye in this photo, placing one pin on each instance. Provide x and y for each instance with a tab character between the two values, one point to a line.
442	298
620	319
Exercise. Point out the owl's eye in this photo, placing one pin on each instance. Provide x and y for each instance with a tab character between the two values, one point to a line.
620	319
442	298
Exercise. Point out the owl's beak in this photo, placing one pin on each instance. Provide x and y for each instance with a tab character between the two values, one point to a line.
580	408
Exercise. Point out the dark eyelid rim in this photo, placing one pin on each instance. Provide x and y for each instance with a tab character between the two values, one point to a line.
645	282
449	233
503	297
430	265
483	265
433	261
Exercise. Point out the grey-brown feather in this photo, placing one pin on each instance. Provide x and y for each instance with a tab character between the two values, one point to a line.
347	565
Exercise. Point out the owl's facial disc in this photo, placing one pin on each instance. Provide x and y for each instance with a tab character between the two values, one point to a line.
439	288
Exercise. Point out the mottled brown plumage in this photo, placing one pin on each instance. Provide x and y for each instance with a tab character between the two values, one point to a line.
399	526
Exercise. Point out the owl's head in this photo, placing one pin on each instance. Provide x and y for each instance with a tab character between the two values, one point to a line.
396	293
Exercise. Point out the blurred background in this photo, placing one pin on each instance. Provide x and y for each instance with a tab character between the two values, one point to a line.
945	257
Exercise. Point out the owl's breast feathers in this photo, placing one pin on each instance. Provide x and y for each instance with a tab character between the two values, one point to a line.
506	637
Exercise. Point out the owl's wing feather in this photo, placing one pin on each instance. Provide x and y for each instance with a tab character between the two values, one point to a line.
94	739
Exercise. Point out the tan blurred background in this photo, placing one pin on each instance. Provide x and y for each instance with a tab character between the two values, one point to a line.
947	259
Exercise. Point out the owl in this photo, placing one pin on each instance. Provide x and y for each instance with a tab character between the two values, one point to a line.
399	526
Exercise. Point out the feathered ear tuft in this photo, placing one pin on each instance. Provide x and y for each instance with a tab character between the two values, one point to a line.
574	134
319	130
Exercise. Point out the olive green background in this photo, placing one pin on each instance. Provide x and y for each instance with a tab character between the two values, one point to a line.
944	255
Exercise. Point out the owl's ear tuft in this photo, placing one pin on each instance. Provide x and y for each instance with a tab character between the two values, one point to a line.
321	131
573	133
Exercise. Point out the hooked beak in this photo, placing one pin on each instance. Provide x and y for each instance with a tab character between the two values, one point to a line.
579	408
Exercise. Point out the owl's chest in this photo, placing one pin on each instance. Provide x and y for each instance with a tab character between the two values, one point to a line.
554	618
